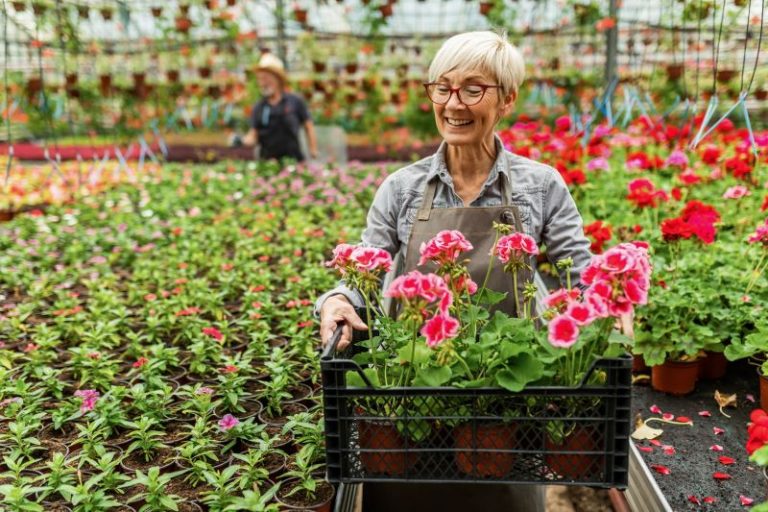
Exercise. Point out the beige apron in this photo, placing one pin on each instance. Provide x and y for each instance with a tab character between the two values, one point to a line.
476	223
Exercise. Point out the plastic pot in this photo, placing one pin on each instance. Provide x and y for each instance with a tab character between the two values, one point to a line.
574	466
675	377
392	459
494	436
638	364
712	366
325	493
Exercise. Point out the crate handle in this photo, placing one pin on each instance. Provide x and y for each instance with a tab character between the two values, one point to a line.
330	348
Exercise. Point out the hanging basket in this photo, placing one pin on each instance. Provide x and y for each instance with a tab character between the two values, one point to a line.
83	12
19	6
485	8
300	15
156	12
106	13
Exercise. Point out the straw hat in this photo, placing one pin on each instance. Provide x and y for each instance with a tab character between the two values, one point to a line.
272	64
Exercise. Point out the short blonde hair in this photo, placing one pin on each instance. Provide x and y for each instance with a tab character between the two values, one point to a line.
489	52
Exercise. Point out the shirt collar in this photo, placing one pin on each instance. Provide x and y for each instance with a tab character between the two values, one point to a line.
439	168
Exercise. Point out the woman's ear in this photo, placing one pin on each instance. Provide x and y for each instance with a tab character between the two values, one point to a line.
509	103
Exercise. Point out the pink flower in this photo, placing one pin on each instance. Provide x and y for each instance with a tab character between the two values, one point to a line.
140	362
444	248
89	396
439	328
371	259
581	313
204	391
563	331
415	285
599	163
228	422
465	283
736	192
342	256
213	333
677	159
230	368
515	246
760	236
560	298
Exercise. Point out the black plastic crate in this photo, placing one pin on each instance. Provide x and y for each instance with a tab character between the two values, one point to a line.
439	435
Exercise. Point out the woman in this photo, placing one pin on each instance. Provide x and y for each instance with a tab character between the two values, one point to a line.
468	184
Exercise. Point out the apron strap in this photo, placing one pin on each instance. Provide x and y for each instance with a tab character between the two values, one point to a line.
426	202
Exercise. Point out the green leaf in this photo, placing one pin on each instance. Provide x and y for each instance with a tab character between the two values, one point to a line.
519	372
421	354
356	381
760	457
490	297
433	376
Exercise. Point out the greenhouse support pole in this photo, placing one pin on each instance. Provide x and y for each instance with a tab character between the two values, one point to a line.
612	42
280	11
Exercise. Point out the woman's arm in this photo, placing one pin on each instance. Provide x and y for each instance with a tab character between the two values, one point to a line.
563	232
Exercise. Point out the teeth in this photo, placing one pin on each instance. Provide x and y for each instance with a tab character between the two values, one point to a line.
458	122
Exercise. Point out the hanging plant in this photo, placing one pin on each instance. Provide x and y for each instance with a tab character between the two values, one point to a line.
156	11
184	9
19	6
231	3
172	75
39	8
204	71
83	12
485	8
183	24
106	13
211	5
300	15
386	10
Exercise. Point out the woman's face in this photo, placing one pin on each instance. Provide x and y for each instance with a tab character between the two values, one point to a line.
461	125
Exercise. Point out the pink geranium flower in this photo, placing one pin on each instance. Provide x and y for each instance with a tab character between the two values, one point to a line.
563	331
515	247
581	313
89	396
427	287
439	328
444	248
736	192
228	422
677	159
760	236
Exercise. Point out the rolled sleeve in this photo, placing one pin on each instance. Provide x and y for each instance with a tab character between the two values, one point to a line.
563	232
380	232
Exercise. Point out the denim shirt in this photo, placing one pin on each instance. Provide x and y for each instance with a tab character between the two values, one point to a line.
548	212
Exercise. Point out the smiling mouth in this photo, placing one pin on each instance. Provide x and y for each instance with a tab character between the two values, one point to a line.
458	122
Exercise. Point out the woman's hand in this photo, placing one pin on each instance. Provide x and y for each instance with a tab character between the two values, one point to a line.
337	310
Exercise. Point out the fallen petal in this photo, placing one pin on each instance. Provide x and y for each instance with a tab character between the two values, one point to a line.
664	470
694	500
718	431
750	398
726	460
684	419
655	442
721	476
709	499
655	409
705	414
716	448
745	501
668	450
668	416
646	449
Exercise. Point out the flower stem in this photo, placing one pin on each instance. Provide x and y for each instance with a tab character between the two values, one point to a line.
466	366
517	298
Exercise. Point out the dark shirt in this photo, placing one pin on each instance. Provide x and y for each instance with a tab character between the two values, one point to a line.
278	126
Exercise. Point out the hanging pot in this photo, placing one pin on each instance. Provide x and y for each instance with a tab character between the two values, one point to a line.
674	71
172	75
488	436
204	71
485	8
105	84
318	66
19	6
725	75
712	366
385	10
183	24
156	12
83	12
106	13
675	377
392	460
761	94
351	67
300	15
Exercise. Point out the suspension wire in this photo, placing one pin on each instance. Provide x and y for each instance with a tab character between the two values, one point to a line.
759	43
698	53
9	135
746	43
716	43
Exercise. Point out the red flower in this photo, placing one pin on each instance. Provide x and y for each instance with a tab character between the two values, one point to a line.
188	311
677	194
711	155
643	193
739	166
600	233
757	431
140	362
764	207
230	368
675	229
213	333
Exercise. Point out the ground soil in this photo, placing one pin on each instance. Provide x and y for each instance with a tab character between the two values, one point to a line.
184	490
135	460
693	463
323	494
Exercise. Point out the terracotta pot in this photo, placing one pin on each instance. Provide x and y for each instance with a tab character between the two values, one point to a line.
172	75
106	13
290	503
761	94
575	466
382	435
675	377
204	71
105	84
712	366
6	215
763	392
725	75
494	436
485	8
300	15
674	71
638	364
318	66
157	11
385	10
351	67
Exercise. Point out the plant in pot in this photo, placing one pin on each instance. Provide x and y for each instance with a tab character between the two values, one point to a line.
146	445
301	488
107	464
254	500
757	446
259	464
152	493
581	330
16	497
224	486
88	495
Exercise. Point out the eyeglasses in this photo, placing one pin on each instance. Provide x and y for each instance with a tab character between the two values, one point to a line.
470	94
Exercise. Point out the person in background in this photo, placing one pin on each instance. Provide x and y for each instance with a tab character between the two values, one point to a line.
277	118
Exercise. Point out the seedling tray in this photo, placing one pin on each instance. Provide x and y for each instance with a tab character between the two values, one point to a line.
481	435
